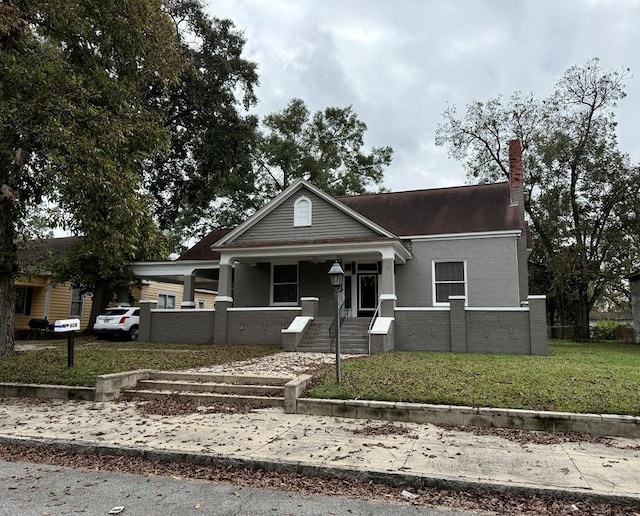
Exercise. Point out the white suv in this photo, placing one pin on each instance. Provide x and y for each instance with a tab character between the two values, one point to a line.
119	321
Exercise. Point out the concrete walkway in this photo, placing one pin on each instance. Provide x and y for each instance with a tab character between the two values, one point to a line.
422	455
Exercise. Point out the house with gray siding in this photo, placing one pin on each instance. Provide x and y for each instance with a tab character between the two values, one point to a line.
440	269
634	283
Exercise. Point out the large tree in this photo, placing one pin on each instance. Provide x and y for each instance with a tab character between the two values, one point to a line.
211	134
326	148
581	191
226	182
76	126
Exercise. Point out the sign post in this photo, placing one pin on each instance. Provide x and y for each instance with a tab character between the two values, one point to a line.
68	326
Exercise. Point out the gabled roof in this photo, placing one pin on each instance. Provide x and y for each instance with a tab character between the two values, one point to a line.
202	250
441	211
38	254
461	209
286	194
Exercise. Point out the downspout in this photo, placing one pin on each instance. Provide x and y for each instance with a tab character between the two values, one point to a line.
47	299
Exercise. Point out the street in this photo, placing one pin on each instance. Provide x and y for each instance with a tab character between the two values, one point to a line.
39	489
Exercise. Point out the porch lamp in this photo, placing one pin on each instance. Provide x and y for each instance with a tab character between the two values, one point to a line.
336	275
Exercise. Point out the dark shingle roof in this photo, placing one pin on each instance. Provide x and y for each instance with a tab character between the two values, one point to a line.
462	209
202	250
38	254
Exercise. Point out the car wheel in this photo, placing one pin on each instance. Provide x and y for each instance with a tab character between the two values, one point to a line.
133	333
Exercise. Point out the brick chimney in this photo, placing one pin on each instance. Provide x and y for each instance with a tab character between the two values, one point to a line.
515	173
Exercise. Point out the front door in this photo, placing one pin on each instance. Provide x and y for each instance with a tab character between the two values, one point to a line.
367	294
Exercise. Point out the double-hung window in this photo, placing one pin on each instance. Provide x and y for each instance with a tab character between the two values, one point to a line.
449	279
285	284
76	304
166	300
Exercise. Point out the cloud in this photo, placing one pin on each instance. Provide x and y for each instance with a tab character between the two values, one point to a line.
400	63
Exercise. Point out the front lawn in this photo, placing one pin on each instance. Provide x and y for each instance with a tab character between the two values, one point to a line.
48	363
584	377
574	377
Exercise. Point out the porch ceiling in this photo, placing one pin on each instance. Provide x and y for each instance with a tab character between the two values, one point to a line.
205	273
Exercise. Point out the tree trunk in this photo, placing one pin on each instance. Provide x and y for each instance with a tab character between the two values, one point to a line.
582	317
8	268
7	315
100	301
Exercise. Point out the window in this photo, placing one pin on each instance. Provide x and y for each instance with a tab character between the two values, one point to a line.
76	305
166	300
285	283
449	280
302	212
23	300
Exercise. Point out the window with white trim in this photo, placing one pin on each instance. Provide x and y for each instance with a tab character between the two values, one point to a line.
449	279
76	305
166	300
302	212
284	279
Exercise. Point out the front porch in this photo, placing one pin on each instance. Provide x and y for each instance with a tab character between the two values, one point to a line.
455	328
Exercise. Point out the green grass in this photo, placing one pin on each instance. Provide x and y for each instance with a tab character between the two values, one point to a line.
574	377
92	358
590	377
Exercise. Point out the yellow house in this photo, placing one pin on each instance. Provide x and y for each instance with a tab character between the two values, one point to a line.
170	295
38	296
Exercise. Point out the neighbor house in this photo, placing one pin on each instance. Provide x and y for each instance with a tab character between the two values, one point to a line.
40	298
634	283
442	269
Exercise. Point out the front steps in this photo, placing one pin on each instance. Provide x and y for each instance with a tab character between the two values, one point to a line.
265	391
354	336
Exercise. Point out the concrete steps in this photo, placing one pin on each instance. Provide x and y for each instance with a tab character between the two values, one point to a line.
267	391
316	339
354	337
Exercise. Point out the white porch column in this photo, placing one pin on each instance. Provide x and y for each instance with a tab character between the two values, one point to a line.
224	280
388	282
188	291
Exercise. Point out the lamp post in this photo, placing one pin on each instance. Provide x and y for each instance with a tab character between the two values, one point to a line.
336	275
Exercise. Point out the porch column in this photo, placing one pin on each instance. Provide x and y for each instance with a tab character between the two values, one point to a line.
388	305
538	324
220	323
188	291
145	320
223	301
388	282
224	280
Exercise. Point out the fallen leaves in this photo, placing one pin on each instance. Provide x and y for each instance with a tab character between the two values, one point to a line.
372	429
504	504
175	406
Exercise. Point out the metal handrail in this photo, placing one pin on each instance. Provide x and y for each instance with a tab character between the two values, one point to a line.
373	319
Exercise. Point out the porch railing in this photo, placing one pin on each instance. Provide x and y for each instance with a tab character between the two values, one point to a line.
343	313
373	320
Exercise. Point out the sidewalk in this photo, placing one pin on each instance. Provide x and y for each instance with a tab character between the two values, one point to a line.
351	448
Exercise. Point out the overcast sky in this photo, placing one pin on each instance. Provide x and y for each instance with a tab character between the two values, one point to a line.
399	63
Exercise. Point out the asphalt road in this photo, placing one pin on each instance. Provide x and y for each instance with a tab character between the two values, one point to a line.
39	489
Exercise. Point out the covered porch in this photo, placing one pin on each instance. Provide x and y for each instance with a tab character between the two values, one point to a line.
282	275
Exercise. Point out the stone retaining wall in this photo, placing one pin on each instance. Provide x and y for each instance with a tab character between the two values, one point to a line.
530	420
